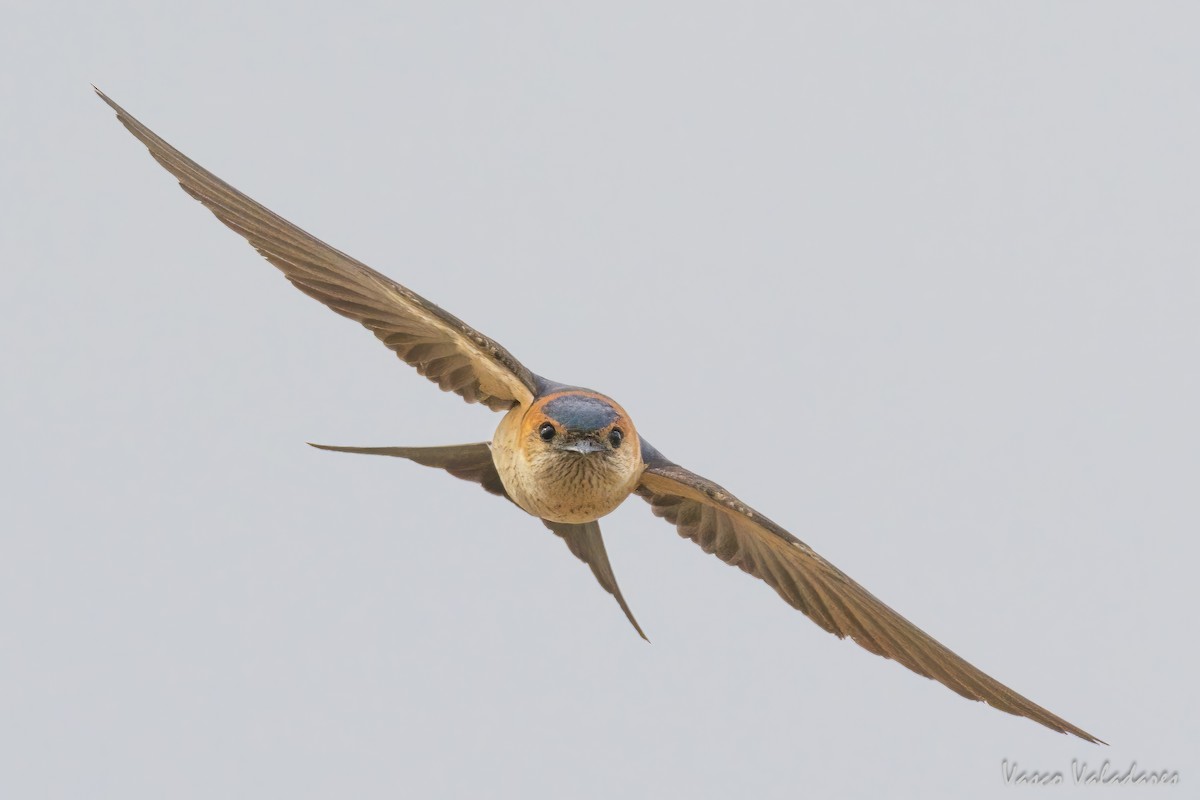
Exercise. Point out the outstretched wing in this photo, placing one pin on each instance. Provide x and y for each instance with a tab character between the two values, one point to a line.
473	462
442	347
738	535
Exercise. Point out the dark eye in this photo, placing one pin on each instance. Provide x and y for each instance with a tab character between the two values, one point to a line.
546	431
615	436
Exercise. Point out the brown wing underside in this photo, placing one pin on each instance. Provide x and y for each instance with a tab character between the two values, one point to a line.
442	347
724	526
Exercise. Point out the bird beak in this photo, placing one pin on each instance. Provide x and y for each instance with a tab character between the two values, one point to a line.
583	446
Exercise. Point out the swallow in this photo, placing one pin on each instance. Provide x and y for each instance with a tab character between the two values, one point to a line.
568	456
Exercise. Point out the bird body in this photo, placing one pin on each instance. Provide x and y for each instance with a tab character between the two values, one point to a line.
570	456
557	458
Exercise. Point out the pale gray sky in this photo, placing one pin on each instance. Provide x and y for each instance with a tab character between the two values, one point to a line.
919	282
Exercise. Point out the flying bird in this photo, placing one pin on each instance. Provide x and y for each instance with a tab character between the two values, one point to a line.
569	456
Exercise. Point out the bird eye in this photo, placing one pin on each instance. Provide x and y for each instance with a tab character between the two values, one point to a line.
615	436
546	431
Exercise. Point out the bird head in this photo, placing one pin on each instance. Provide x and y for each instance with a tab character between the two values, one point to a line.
578	424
